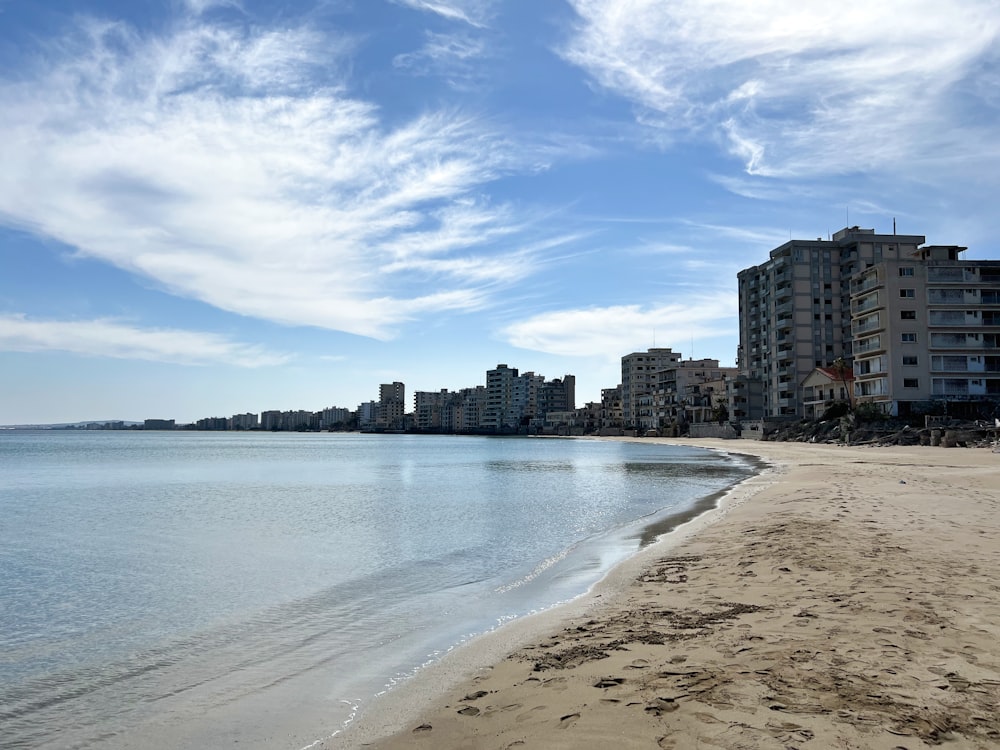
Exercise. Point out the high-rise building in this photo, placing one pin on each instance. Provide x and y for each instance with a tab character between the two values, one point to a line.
391	411
795	309
639	373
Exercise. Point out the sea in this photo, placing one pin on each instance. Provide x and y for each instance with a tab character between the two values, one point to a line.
261	590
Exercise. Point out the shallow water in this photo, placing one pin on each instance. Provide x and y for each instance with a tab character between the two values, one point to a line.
188	589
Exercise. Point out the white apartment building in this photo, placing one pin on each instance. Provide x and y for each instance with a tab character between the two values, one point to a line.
927	332
795	310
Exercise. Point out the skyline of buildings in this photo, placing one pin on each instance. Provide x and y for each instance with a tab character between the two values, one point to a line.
871	319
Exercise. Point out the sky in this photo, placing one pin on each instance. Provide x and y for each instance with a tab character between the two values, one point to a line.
210	207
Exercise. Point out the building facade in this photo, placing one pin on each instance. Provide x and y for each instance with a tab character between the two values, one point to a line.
927	334
795	312
639	374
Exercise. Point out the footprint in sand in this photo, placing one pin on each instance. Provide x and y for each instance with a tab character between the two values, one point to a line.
609	682
568	720
530	713
469	711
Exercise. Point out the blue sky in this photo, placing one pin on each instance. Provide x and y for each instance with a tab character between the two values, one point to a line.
219	206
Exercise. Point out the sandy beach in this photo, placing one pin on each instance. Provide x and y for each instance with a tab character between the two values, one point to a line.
846	597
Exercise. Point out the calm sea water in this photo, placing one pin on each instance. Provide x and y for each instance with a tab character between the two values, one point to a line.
198	590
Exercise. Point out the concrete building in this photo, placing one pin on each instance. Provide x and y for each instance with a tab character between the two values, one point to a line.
430	409
556	395
795	310
611	417
391	411
639	371
744	398
246	421
927	334
686	392
333	416
500	414
516	401
367	413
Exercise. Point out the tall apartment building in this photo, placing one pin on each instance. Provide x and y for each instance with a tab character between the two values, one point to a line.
558	394
795	309
391	406
500	414
430	408
516	400
927	329
639	371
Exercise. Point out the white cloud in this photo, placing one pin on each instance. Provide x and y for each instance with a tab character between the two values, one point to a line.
472	12
451	56
805	88
232	168
109	338
622	328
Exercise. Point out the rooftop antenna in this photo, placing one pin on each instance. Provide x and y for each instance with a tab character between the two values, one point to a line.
893	225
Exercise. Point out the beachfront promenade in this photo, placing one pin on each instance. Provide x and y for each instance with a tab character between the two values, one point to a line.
846	598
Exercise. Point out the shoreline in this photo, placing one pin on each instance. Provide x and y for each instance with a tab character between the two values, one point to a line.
405	702
838	608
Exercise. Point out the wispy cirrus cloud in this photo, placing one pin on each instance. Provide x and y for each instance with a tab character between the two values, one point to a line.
473	12
454	57
613	330
106	337
798	89
230	166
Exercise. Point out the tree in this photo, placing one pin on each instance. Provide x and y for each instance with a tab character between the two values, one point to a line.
841	367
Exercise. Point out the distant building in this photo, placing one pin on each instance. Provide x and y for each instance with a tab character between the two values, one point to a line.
212	423
686	392
367	413
246	421
611	417
430	409
391	406
639	375
159	424
333	416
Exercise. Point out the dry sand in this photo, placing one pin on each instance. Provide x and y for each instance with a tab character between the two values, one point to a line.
846	599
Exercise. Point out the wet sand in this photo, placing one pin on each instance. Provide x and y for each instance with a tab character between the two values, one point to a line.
848	597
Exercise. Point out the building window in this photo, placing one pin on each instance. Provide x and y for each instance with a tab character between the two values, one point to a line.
909	361
906	270
907	314
908	338
907	293
911	383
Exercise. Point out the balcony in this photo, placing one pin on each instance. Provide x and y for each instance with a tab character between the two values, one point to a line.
865	285
866	327
873	344
864	305
784	308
